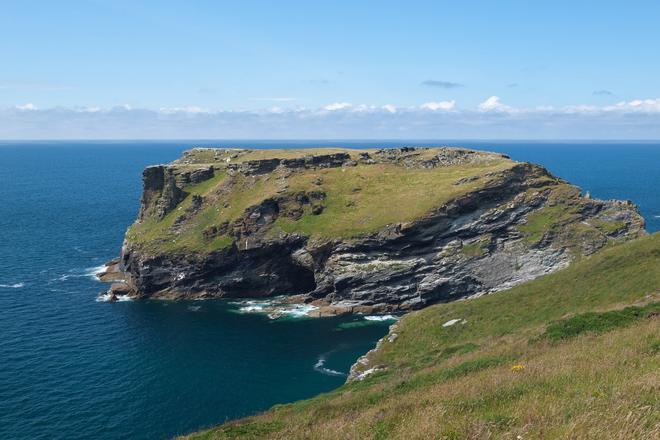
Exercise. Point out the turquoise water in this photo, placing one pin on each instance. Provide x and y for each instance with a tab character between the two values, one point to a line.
72	367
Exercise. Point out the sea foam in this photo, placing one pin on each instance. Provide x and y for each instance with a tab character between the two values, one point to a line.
251	309
12	286
107	297
381	318
298	310
88	272
319	366
274	308
93	272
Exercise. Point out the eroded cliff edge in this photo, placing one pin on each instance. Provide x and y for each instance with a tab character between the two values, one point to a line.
357	230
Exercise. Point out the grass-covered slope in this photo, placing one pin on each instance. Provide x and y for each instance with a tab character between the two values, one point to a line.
574	354
356	200
361	200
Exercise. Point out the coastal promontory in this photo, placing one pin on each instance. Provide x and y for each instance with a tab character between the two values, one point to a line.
362	231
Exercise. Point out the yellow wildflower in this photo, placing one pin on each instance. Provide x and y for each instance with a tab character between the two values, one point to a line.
517	367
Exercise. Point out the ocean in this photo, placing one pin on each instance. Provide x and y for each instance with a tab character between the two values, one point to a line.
74	368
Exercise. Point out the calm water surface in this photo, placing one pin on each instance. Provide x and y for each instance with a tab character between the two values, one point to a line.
71	367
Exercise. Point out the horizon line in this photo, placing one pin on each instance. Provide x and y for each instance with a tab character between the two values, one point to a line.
8	140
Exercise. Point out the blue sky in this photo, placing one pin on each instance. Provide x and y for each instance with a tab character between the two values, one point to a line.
199	65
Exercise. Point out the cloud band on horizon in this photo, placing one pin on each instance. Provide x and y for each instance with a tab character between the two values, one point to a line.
637	119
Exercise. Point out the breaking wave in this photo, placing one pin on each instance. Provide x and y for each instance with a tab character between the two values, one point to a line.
319	367
107	297
381	318
12	286
297	310
94	271
274	308
252	309
89	272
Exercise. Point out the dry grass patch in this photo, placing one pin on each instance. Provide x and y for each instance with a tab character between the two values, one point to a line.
601	386
593	385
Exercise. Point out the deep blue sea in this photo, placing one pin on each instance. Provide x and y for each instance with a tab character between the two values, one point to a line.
71	367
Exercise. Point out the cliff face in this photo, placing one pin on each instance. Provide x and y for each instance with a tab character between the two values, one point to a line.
361	231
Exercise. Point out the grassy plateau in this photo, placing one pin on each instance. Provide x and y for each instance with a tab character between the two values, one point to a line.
358	200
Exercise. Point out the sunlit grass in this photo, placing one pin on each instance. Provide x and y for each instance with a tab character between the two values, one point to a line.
362	200
358	200
496	376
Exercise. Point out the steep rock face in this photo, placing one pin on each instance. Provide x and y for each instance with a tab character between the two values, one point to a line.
517	224
162	188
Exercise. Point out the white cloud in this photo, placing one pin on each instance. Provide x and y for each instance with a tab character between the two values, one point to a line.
638	119
363	108
638	105
338	106
442	105
570	109
28	107
191	109
493	104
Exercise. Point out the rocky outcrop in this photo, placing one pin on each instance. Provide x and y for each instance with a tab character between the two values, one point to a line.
485	240
253	167
162	188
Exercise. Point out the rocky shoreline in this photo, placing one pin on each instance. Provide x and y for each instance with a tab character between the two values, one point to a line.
518	223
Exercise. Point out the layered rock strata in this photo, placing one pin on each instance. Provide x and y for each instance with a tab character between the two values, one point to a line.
510	225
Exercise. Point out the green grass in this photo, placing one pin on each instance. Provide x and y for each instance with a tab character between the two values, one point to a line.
592	371
237	155
209	156
364	199
559	220
463	369
157	233
594	322
255	430
159	236
359	200
608	227
547	219
620	275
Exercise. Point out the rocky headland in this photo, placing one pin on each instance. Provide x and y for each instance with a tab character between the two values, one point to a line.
356	231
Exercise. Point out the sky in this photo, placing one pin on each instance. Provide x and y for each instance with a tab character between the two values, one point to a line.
337	69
